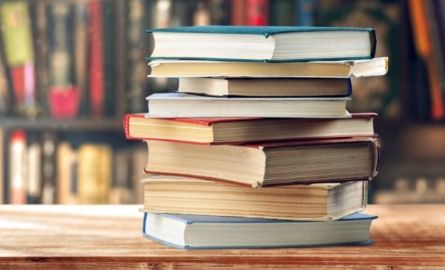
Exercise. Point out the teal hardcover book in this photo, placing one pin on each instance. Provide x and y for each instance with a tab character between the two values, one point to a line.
218	232
262	43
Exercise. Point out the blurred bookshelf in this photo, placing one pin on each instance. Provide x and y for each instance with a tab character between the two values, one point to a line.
70	69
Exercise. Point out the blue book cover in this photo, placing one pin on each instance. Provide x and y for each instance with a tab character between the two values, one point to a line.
267	32
238	223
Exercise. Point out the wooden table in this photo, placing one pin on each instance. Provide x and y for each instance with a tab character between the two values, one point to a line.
85	237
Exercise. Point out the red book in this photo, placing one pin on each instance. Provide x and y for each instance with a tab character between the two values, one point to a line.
265	164
238	16
96	67
257	12
244	130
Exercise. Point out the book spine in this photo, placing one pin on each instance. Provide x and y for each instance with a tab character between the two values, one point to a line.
81	53
238	12
305	12
49	168
97	87
136	82
34	173
220	12
282	12
109	55
257	12
17	170
423	45
201	15
94	173
2	167
18	45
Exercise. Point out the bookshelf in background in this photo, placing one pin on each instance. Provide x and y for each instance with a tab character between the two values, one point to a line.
50	80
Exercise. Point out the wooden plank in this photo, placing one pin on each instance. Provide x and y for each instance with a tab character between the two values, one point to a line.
84	237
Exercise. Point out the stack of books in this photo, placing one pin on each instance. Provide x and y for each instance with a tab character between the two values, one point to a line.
257	149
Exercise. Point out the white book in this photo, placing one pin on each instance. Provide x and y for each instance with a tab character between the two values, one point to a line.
189	105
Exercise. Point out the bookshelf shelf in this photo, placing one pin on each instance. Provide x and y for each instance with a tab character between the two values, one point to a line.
91	124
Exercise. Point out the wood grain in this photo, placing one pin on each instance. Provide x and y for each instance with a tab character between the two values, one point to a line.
89	237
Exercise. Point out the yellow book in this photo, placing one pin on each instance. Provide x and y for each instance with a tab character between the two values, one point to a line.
94	173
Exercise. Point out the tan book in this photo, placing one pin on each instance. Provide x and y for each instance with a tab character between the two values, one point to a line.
233	130
327	69
179	195
94	173
307	161
266	87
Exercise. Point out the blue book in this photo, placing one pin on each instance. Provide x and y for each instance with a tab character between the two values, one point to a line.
263	43
217	232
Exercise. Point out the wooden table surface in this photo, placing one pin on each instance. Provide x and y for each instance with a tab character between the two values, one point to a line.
86	237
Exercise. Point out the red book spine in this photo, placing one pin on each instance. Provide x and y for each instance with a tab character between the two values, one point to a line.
97	88
238	14
257	12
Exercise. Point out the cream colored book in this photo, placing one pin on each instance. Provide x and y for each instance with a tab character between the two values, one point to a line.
187	105
316	69
180	195
266	87
305	161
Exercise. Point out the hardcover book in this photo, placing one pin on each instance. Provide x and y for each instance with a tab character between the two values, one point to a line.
326	69
180	195
263	43
211	232
242	130
305	161
188	105
263	87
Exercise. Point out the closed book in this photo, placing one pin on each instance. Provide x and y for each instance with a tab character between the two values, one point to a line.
242	130
179	195
305	161
263	87
257	13
212	232
326	69
188	105
94	173
262	43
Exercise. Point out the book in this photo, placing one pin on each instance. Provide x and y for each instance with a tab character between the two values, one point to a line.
424	47
65	161
17	167
238	10
262	43
212	232
34	169
94	173
188	105
18	47
282	12
257	13
179	195
96	63
3	173
242	130
265	164
49	176
333	69
264	87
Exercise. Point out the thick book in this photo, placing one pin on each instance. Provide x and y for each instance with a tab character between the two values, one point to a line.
180	195
304	161
242	130
313	69
263	43
266	87
189	105
212	232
